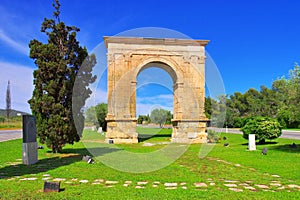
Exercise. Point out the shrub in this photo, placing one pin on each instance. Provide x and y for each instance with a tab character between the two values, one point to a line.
263	128
239	122
212	136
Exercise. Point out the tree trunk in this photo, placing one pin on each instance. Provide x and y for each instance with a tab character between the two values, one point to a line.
56	148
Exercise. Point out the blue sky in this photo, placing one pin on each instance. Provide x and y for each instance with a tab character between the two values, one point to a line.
252	42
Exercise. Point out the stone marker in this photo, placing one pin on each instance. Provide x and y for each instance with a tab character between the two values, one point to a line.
29	147
88	159
100	130
251	143
51	186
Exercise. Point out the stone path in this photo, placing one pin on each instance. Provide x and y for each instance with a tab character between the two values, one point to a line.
275	183
233	185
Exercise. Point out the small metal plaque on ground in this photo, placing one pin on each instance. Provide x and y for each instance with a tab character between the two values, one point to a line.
51	186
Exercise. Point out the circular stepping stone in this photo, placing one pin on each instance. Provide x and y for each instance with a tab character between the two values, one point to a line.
148	144
155	186
200	184
184	187
230	181
275	184
265	190
237	165
250	188
230	185
170	188
212	184
139	187
235	189
184	183
99	180
83	181
128	182
170	184
275	176
262	186
156	182
74	179
28	179
46	175
111	182
142	183
294	186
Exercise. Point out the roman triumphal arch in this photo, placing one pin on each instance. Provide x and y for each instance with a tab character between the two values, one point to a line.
183	59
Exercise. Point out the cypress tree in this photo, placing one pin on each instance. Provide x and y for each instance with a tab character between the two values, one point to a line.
59	62
8	101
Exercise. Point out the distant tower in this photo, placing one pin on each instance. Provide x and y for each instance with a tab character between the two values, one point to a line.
8	101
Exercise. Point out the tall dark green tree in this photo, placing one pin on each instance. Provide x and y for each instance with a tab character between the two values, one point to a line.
59	61
8	101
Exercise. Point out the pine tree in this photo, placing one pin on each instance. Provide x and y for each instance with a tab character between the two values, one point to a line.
8	101
60	62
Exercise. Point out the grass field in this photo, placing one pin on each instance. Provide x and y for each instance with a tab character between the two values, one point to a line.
14	123
225	173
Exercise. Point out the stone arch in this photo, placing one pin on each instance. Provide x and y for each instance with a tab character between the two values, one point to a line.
168	65
184	62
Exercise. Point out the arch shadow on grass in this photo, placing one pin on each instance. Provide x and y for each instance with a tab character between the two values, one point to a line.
145	137
67	157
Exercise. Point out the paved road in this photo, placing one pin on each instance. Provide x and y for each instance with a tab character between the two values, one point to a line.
10	135
15	134
285	133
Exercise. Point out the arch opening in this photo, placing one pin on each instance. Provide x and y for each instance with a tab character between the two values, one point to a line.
154	101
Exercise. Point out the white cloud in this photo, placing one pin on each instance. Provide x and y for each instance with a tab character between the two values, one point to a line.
145	109
158	99
14	44
21	85
146	104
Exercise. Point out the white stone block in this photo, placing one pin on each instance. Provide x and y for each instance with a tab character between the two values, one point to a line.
251	143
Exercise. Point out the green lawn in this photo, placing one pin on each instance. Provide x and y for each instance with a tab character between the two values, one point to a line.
222	165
